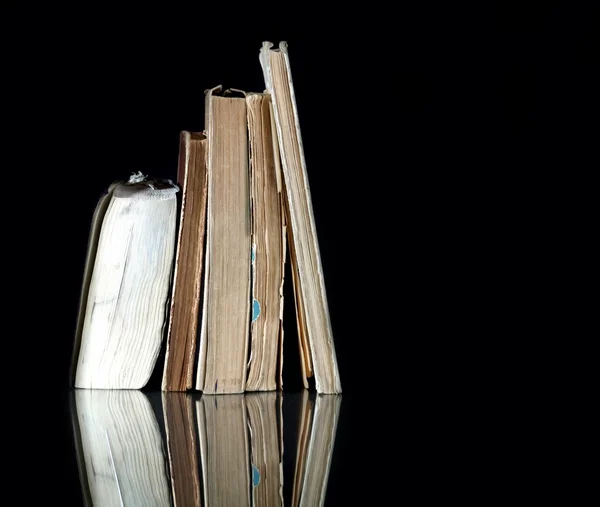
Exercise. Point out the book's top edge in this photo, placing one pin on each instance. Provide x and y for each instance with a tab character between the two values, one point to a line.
194	136
268	46
258	94
139	191
213	90
140	186
229	93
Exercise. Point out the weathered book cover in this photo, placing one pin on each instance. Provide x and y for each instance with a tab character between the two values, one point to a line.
184	311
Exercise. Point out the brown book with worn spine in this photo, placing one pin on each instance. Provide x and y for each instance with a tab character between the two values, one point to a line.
187	276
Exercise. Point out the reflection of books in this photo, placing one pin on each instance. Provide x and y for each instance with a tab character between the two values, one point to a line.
231	453
242	452
222	428
265	450
316	438
120	450
181	443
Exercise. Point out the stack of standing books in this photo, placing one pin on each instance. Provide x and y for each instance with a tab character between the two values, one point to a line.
209	279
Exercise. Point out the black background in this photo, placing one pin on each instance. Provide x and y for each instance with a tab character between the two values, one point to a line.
433	135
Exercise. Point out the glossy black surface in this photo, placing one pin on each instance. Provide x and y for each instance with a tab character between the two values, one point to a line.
122	442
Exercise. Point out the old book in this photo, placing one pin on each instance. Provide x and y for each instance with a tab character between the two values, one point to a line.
268	248
181	434
90	257
119	449
266	449
125	293
182	334
315	446
226	308
223	437
311	298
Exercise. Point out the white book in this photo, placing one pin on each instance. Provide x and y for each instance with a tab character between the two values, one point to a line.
126	285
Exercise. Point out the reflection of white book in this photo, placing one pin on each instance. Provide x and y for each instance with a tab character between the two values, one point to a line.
316	438
223	436
121	458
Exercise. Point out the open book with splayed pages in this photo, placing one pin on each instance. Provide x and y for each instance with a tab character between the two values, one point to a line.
184	449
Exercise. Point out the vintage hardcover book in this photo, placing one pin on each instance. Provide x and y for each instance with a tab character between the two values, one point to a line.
223	353
182	334
223	437
181	428
119	449
266	449
126	284
311	298
268	248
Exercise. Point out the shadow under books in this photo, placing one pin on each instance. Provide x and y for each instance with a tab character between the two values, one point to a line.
175	448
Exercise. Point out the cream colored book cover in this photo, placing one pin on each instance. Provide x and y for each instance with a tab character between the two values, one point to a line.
311	297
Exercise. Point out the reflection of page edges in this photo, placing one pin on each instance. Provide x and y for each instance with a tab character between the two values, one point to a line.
203	447
280	429
265	454
79	455
115	426
92	249
224	448
304	429
320	450
180	429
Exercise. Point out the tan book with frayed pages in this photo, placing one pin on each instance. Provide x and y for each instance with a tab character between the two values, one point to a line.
268	248
315	329
225	330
